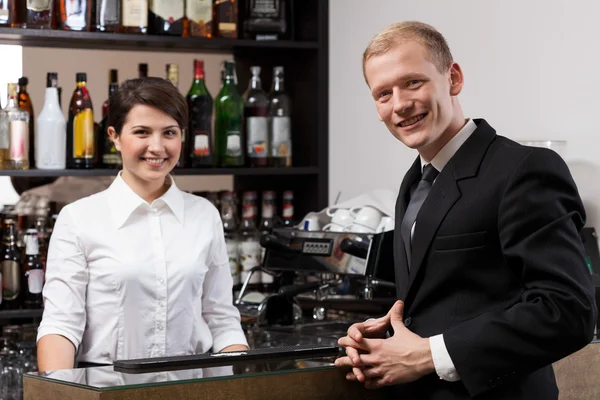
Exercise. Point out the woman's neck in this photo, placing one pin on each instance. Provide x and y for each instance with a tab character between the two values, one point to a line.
149	191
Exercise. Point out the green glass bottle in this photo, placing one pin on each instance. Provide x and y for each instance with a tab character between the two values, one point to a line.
200	106
229	109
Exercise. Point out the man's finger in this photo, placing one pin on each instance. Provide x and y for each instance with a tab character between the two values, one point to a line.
359	374
349	342
351	377
344	362
371	373
353	354
356	331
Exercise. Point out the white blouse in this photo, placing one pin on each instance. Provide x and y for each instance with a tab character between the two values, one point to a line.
126	280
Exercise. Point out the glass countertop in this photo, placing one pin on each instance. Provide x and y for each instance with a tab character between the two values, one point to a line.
106	378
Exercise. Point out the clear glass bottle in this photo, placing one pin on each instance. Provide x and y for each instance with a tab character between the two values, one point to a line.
256	128
39	14
108	15
26	104
249	245
230	225
51	136
18	132
280	125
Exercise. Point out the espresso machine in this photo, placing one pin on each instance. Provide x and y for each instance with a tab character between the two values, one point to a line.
329	281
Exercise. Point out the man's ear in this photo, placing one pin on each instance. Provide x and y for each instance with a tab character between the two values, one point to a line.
114	137
456	79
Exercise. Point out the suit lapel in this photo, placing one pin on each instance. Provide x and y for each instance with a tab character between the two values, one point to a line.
444	194
400	263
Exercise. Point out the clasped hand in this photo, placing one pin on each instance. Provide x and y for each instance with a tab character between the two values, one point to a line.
378	361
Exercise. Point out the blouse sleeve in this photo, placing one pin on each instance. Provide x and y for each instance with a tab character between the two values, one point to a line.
67	277
222	317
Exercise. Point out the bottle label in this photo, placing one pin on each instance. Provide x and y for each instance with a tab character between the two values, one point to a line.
232	254
288	211
39	5
11	281
199	11
257	136
108	12
169	10
249	258
248	211
234	146
19	141
282	144
35	281
83	134
268	211
264	8
201	144
76	12
135	13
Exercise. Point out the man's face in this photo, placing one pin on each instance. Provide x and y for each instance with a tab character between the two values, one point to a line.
412	97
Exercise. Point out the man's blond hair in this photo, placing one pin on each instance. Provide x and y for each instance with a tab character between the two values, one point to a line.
426	35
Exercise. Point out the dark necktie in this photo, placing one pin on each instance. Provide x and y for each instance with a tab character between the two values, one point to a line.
416	201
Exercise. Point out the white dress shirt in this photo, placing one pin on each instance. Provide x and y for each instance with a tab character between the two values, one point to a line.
125	279
444	366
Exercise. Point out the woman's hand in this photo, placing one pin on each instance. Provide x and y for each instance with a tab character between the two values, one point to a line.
234	347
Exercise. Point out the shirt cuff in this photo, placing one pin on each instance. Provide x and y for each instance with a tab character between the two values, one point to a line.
441	359
228	339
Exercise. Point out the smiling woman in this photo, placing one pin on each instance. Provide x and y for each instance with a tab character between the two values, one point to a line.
147	117
139	270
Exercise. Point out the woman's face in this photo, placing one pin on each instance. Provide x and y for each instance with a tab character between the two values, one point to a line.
150	143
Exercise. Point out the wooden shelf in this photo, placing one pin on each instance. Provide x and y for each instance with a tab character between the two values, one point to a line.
184	171
14	314
139	42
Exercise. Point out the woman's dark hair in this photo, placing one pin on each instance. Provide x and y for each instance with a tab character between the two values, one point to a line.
154	92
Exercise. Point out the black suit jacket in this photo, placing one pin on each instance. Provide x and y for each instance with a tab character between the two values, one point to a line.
498	268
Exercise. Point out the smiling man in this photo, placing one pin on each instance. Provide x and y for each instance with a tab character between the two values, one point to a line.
490	269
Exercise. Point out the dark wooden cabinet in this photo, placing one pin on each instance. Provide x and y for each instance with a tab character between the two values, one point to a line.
305	59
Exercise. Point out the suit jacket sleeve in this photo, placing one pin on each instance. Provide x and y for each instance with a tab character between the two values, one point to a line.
539	219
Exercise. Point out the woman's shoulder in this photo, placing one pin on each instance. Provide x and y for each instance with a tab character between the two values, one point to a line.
200	206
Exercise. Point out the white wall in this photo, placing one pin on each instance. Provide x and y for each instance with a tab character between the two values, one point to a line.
532	69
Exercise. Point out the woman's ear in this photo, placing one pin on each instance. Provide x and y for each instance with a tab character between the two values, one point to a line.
114	137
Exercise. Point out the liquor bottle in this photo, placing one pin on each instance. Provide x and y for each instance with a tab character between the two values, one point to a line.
39	14
225	19
200	106
230	224
134	14
75	15
256	123
172	71
198	18
173	74
25	104
4	13
266	225
17	13
266	20
108	15
249	245
229	115
280	133
288	209
165	17
51	135
3	137
110	155
33	272
17	125
142	70
10	267
80	128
